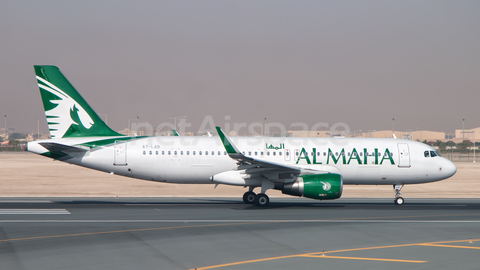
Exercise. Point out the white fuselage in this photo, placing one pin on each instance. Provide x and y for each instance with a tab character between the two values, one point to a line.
195	160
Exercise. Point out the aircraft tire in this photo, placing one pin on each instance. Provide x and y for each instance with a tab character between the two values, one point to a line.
261	200
399	201
249	197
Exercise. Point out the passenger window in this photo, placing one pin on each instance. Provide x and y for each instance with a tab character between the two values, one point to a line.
194	153
219	153
225	153
169	153
156	153
206	153
175	153
348	153
200	153
336	154
274	153
426	154
261	153
188	153
150	152
181	153
268	153
255	153
280	153
361	154
249	153
163	153
287	153
144	152
213	153
324	154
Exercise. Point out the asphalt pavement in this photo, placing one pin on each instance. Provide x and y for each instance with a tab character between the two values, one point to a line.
224	233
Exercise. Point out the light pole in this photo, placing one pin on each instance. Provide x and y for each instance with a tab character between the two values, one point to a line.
264	126
463	130
5	127
38	127
175	118
473	147
393	128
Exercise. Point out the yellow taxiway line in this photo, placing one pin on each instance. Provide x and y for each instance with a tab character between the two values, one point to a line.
317	254
361	258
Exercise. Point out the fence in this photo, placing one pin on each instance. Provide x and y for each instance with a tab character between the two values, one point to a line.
10	148
460	156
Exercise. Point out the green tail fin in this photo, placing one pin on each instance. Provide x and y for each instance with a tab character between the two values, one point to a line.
68	114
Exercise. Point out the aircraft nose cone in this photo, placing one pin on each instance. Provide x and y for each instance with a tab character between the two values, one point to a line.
449	168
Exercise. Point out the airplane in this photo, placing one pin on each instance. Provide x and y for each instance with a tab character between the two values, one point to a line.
315	168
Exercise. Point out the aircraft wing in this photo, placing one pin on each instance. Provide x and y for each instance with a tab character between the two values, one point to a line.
259	168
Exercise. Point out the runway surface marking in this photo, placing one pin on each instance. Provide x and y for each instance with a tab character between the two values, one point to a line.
120	231
34	212
24	201
360	258
450	246
322	254
234	221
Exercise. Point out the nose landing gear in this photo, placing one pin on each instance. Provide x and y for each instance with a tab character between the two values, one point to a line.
398	199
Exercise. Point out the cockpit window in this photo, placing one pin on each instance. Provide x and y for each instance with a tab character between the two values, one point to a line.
431	154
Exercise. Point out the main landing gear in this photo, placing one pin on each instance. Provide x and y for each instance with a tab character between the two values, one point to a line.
260	199
398	199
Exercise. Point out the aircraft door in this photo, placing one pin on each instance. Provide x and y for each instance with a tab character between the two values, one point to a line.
120	155
403	155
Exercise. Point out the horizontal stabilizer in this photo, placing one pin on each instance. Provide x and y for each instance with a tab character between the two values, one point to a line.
56	147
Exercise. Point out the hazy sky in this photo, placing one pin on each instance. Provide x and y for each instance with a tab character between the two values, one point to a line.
357	62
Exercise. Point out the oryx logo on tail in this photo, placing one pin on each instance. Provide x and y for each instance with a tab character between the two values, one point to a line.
60	118
68	114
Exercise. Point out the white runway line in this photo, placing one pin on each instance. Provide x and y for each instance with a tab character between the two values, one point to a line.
34	212
25	201
240	222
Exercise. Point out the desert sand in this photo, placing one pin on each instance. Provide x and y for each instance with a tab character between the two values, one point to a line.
30	175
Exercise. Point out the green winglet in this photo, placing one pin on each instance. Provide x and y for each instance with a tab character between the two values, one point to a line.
229	147
175	133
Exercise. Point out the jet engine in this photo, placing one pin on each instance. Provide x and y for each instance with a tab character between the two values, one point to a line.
326	186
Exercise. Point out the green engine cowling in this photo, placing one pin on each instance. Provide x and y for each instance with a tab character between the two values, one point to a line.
326	186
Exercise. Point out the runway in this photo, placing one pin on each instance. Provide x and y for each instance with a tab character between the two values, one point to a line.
224	233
